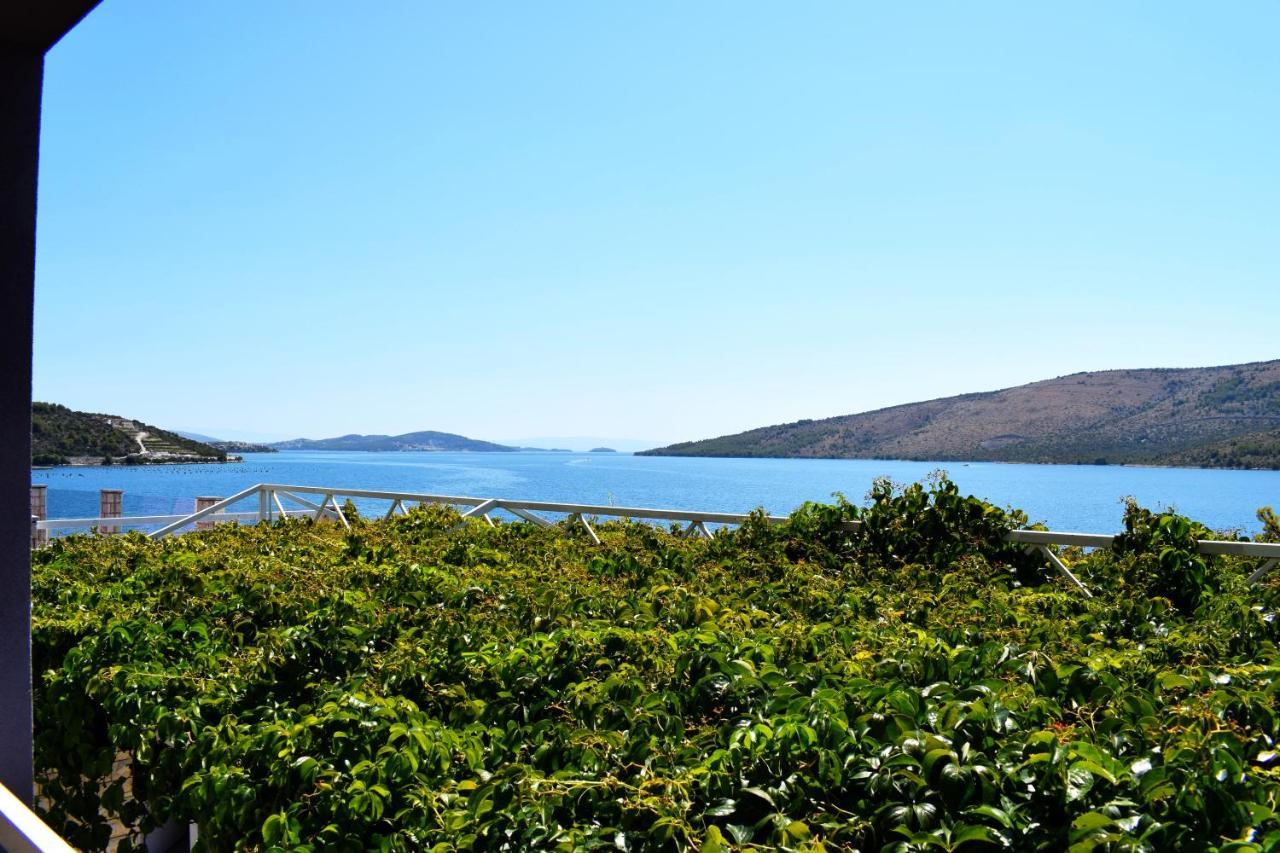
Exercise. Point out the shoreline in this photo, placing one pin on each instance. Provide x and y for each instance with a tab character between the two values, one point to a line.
942	462
152	464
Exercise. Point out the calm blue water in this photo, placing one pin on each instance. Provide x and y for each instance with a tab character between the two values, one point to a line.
1066	497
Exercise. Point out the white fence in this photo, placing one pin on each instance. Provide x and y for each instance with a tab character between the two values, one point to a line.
22	831
274	501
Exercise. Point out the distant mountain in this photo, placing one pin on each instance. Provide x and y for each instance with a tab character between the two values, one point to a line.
602	450
60	436
227	446
426	440
1209	417
195	436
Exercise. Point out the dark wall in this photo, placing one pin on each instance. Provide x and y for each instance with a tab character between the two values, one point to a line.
21	71
27	31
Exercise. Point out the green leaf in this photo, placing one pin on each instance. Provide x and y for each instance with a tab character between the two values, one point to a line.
274	829
1172	681
1079	781
1091	820
999	815
723	808
1094	768
973	835
713	841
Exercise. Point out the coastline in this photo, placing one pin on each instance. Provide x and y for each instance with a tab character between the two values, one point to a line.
148	464
1153	465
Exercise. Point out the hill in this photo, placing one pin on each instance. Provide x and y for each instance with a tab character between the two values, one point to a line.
425	440
1212	417
241	447
60	436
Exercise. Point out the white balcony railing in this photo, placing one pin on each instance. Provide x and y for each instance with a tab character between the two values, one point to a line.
22	830
275	501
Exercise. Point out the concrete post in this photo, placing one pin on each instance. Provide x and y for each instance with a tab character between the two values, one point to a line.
207	522
111	503
39	511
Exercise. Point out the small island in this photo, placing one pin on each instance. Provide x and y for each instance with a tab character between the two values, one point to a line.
602	450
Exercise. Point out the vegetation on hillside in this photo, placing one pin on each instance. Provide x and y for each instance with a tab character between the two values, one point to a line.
1213	417
1252	450
59	434
423	683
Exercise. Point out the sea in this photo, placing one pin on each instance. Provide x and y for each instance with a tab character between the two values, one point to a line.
1082	498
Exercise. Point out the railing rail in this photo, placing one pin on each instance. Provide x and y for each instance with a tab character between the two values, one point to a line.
140	520
275	501
22	830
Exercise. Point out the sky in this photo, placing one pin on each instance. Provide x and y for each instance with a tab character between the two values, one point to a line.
660	221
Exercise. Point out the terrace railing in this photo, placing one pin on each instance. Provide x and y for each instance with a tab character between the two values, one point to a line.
275	501
22	830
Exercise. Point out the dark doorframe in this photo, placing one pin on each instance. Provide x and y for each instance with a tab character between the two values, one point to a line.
27	31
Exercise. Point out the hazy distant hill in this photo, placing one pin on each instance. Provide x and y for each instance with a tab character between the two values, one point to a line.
197	436
1212	416
225	446
60	435
426	440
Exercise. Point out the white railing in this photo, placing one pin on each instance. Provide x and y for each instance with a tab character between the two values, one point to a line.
22	830
275	501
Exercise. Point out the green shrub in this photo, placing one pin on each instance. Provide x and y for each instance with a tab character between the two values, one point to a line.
1162	559
410	684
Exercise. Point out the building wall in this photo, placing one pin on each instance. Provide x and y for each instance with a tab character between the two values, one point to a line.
21	72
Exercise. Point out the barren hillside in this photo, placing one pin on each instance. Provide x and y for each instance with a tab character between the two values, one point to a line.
1214	416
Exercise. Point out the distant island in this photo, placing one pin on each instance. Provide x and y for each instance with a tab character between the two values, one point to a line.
602	450
1211	417
242	447
425	440
63	436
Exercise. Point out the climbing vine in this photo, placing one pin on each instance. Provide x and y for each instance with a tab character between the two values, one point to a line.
915	683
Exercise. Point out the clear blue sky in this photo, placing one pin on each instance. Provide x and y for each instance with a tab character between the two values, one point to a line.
658	220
